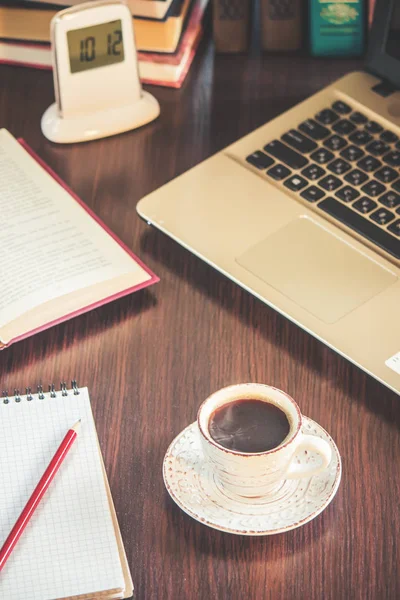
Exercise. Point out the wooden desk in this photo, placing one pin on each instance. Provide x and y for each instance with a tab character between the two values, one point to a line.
150	359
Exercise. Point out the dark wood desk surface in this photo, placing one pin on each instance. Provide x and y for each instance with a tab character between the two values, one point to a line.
150	359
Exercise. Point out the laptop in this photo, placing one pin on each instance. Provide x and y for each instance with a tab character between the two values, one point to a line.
304	212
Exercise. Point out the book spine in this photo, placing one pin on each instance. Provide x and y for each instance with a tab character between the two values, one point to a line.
281	24
337	28
231	25
371	8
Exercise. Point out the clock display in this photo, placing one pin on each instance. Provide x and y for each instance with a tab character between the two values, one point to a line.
95	46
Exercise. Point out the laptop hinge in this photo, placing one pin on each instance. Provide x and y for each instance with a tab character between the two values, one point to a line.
385	87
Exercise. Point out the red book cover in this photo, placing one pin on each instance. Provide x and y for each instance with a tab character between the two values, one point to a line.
189	39
371	9
176	84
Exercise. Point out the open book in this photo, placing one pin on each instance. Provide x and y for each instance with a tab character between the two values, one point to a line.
58	259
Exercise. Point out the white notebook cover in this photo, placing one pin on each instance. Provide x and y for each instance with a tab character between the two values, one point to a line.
69	547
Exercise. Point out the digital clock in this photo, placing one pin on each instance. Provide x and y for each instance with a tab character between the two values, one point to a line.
96	78
95	46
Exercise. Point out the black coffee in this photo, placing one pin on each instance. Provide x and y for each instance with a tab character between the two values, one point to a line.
249	425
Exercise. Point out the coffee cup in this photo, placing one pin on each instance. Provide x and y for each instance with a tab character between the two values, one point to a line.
247	473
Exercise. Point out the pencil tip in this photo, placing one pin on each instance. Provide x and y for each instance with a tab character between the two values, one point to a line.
77	425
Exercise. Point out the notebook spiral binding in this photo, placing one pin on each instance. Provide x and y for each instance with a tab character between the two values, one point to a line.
52	393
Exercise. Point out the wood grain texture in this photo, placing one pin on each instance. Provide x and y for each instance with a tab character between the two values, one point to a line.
151	358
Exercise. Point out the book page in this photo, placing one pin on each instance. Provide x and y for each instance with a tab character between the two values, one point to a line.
49	245
69	547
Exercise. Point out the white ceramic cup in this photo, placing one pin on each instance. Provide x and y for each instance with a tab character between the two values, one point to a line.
252	475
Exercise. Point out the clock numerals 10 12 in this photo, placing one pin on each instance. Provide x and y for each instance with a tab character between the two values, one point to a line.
88	46
95	46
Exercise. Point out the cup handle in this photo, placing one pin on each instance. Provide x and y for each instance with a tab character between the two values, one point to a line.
313	444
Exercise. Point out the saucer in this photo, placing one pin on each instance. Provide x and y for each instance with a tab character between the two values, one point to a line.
193	486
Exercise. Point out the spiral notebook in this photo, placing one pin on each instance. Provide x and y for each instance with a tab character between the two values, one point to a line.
72	547
58	259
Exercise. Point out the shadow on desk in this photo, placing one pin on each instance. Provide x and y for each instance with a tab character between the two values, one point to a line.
275	328
218	544
59	338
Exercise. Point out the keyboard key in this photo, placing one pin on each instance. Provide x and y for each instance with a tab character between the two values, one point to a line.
296	183
344	127
286	155
396	185
326	116
356	177
373	127
322	156
313	172
382	216
314	130
330	183
390	199
360	138
299	142
386	174
373	188
377	147
395	228
389	137
339	166
361	225
392	158
352	153
347	193
364	205
312	194
341	107
278	172
358	118
335	142
260	160
369	164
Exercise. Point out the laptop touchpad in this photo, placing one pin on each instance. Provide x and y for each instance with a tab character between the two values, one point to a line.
317	270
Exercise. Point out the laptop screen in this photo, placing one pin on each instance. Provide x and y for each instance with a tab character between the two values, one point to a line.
393	38
383	58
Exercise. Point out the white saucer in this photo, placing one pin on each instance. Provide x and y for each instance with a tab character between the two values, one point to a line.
192	485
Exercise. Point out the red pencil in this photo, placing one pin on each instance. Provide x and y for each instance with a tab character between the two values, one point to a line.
38	493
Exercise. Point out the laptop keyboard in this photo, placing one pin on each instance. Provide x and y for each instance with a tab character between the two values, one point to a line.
345	165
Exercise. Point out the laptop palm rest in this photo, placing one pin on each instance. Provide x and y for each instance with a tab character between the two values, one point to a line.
315	269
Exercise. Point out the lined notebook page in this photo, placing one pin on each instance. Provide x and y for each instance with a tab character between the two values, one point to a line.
69	547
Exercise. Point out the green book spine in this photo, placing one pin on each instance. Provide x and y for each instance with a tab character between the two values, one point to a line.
337	28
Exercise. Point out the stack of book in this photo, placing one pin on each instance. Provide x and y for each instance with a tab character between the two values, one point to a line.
167	34
335	27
